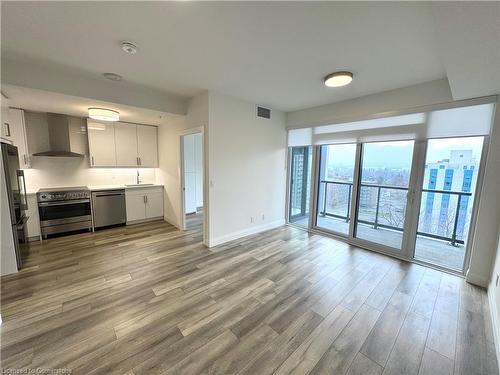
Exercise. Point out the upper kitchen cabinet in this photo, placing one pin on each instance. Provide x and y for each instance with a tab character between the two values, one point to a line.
5	130
122	144
102	148
15	131
147	146
126	144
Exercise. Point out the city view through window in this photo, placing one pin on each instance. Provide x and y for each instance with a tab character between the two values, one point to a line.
449	186
445	210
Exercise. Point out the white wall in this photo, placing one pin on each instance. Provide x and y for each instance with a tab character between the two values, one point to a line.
485	236
247	170
494	296
427	93
55	172
168	172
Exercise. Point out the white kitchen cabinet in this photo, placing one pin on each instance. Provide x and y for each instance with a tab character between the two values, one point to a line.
17	128
136	206
101	144
5	129
154	204
122	144
144	203
126	144
147	146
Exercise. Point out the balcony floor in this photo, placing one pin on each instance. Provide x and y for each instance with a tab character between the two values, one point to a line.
429	250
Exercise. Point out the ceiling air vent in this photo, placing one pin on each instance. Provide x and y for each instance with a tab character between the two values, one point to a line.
263	112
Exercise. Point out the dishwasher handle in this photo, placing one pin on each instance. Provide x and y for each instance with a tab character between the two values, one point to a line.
108	193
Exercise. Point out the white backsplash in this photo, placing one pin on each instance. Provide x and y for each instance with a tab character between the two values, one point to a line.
56	172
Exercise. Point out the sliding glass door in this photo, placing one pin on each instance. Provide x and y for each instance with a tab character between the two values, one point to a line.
336	176
447	196
384	180
300	185
413	199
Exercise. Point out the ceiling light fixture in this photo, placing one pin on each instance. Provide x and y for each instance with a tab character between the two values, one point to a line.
104	114
338	79
129	47
112	76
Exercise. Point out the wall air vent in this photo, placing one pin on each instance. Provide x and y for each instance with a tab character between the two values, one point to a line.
263	112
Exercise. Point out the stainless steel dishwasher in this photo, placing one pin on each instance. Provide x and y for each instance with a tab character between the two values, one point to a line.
108	208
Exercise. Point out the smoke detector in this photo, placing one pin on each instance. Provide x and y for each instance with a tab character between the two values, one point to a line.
129	47
113	76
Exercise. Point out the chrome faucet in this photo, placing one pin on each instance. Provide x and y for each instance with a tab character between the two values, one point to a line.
138	178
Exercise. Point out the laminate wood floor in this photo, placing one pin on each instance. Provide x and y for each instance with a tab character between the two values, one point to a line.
149	299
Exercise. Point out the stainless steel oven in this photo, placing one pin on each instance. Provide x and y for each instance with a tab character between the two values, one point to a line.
64	210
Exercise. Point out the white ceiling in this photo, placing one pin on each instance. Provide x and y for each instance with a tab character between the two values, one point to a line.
44	101
271	53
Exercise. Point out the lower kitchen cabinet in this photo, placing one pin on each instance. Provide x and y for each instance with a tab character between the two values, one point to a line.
144	203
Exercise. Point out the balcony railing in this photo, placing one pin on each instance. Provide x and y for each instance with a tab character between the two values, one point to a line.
454	240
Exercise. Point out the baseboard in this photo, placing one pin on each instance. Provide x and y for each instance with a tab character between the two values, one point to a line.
145	220
172	222
476	279
494	322
245	232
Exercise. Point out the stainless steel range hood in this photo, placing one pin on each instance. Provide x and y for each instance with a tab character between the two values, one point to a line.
67	138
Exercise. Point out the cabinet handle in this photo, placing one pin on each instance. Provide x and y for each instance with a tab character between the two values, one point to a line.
144	199
137	160
140	163
92	160
7	129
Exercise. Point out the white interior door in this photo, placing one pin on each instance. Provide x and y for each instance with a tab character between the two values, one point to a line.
190	192
189	164
198	158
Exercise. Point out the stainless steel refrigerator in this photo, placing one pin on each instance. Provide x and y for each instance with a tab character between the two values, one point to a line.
16	194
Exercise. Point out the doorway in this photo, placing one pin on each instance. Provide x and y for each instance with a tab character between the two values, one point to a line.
192	177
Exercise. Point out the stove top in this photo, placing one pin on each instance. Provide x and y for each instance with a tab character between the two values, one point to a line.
63	194
61	189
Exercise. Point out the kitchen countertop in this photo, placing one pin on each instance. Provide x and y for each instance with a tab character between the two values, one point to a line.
114	187
107	187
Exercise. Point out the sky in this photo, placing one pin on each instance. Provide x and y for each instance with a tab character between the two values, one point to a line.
399	154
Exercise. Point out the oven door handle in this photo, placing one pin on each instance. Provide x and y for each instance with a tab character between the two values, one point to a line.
63	203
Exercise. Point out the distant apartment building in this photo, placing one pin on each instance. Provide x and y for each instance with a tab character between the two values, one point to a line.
458	173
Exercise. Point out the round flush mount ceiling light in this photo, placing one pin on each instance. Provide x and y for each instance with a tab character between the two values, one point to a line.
129	47
338	79
104	114
112	76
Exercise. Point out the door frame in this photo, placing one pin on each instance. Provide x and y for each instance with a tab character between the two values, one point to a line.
182	199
